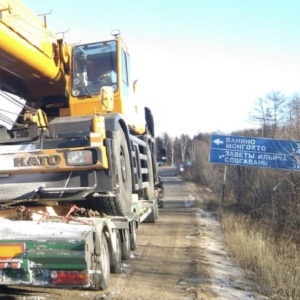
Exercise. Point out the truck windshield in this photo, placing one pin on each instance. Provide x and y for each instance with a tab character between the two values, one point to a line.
94	66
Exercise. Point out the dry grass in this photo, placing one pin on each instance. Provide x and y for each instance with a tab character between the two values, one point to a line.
277	264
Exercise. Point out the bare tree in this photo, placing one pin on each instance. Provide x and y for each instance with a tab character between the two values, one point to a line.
276	99
183	148
269	113
167	146
293	115
261	115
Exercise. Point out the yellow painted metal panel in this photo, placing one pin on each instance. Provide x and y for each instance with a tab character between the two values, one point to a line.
27	48
11	250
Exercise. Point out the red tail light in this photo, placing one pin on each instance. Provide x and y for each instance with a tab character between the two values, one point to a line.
10	265
69	277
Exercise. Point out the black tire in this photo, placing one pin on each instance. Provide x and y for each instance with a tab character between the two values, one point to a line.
161	203
149	192
125	244
149	120
153	216
156	210
101	276
116	256
123	199
133	235
120	204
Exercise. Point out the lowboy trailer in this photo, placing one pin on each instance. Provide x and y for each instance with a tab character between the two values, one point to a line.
68	251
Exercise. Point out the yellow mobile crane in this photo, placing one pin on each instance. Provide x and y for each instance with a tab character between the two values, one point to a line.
78	166
82	136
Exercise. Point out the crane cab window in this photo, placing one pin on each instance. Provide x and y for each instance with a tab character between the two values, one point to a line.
125	72
94	66
124	68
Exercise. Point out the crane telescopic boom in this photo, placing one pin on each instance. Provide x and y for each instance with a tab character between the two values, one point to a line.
32	59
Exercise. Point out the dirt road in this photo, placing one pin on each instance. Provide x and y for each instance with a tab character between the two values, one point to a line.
170	262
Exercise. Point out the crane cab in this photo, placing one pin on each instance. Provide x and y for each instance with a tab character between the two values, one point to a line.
100	81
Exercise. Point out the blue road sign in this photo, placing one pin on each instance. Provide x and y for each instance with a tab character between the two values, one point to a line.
255	152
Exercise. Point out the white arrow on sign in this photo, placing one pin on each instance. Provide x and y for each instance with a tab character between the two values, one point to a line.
218	142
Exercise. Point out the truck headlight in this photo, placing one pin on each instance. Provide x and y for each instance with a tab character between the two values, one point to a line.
80	157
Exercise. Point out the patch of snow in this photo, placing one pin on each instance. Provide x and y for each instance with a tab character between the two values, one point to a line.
44	230
228	280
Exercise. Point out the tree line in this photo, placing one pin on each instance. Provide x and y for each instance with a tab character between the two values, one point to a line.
267	194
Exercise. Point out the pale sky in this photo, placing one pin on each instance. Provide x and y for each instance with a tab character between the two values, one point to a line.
201	64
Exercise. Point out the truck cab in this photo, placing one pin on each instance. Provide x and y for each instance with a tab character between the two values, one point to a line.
101	82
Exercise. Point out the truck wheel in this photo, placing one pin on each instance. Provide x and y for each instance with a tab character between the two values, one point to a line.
125	244
116	256
124	197
101	277
149	191
133	236
161	203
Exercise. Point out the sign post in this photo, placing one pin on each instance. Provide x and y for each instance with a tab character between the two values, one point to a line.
255	152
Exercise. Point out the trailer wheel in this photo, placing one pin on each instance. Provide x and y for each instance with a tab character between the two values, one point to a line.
125	244
153	216
116	255
133	235
101	277
124	196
